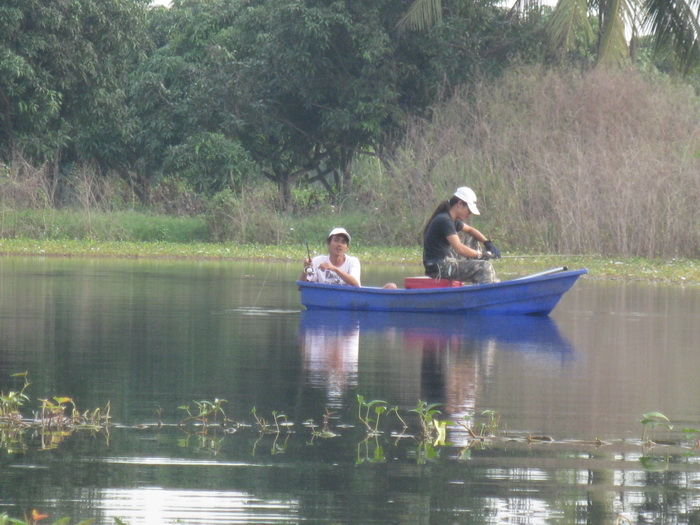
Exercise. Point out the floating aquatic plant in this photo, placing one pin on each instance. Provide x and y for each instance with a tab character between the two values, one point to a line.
35	517
426	416
651	420
12	402
205	412
364	413
58	418
325	431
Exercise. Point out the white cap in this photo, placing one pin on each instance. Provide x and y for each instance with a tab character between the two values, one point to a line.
469	197
338	231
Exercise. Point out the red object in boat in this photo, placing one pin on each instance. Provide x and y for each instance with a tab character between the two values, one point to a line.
428	282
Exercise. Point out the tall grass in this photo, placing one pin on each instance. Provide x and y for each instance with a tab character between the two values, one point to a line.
120	225
605	162
83	206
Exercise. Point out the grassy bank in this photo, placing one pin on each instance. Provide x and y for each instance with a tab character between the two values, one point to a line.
676	271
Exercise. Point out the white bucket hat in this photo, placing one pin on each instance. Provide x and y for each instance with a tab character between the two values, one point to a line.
338	231
469	197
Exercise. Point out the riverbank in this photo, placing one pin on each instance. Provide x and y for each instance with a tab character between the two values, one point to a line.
675	271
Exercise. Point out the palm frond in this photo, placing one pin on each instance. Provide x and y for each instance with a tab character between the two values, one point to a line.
613	43
569	19
675	26
421	15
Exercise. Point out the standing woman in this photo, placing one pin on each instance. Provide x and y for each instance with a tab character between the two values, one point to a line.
444	255
337	267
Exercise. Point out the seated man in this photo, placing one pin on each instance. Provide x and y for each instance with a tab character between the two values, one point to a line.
337	267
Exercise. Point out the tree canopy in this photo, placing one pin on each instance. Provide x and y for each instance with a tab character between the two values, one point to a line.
299	88
62	74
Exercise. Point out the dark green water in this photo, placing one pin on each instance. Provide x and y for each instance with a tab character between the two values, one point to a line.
148	337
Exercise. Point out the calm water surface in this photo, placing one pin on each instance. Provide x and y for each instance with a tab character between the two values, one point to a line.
564	444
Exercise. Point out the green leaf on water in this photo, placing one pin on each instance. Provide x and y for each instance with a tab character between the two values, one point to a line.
655	415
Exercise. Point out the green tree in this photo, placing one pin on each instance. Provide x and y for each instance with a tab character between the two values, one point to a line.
301	86
62	67
315	84
211	163
168	95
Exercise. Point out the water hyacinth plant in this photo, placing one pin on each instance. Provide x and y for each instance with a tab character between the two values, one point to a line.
205	412
57	418
12	402
650	421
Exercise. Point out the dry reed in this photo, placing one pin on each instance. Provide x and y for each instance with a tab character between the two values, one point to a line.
605	162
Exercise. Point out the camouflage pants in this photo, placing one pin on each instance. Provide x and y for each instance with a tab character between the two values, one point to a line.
458	268
476	271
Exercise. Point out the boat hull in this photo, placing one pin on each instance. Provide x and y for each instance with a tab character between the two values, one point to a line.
534	295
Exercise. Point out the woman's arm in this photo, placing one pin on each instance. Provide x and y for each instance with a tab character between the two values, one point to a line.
491	249
473	232
460	248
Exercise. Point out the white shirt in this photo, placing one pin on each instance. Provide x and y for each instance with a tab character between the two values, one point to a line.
350	266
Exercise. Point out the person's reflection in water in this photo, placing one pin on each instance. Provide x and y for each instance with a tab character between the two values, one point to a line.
330	360
432	372
450	373
469	369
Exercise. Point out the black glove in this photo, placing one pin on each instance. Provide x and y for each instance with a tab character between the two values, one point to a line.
490	247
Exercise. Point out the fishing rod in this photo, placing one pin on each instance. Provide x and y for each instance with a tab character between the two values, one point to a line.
309	270
542	256
308	252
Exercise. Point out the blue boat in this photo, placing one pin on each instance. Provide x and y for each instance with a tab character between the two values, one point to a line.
535	294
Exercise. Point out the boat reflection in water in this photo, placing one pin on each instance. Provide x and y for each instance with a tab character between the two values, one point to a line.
438	358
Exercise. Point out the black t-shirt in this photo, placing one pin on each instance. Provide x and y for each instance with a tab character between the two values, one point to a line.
435	244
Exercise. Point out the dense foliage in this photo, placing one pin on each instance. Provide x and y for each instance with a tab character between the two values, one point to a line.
292	90
223	92
63	70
